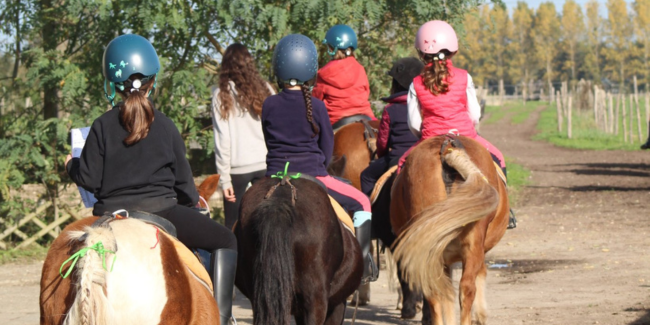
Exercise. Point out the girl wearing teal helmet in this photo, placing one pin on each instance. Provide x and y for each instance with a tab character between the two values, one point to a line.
134	159
342	83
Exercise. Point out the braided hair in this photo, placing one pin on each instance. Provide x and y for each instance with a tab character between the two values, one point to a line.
306	92
436	72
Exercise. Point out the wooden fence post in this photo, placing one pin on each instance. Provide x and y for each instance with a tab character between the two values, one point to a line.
624	117
618	113
569	128
610	127
638	109
596	106
558	105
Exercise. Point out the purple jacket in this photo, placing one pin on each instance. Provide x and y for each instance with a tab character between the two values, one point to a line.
288	134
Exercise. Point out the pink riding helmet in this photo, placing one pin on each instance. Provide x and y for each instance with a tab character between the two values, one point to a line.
435	36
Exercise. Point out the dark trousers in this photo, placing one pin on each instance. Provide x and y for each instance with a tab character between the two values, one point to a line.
196	230
239	183
373	172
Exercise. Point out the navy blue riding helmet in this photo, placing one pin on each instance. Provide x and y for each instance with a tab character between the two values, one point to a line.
295	60
124	56
340	37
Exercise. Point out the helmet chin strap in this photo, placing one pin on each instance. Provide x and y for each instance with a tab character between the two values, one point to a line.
110	97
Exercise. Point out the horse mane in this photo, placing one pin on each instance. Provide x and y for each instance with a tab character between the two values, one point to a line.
420	247
91	305
274	272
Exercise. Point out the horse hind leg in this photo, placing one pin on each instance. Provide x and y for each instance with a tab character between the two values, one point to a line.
480	309
473	264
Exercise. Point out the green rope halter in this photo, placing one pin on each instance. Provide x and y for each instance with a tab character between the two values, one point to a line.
282	174
98	247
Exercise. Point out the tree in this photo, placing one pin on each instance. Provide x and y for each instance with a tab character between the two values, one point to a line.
594	39
642	27
499	35
572	31
619	34
522	23
545	32
472	48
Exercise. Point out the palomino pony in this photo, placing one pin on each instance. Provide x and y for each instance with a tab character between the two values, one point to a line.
126	272
295	257
448	205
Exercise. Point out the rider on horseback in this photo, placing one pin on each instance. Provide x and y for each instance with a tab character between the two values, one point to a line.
342	83
307	143
134	159
394	136
442	98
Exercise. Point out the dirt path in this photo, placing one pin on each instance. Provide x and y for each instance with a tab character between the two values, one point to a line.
581	253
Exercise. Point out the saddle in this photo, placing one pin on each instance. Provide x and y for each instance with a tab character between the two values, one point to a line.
343	216
169	230
349	120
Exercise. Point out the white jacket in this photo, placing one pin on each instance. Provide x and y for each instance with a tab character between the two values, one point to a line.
239	141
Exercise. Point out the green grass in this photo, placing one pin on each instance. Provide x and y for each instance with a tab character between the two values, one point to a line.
518	177
585	134
518	112
30	254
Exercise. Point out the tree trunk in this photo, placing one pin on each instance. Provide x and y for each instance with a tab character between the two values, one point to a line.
50	89
14	75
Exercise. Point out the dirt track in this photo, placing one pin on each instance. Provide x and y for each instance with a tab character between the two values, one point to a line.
581	253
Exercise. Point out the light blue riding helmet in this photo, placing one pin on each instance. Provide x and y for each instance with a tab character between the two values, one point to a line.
124	56
340	37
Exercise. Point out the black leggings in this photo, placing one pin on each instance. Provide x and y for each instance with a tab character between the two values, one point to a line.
239	183
197	230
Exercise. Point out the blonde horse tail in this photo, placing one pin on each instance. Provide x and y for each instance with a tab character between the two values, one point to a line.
91	306
420	247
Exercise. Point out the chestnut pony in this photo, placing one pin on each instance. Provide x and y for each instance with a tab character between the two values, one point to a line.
353	142
295	257
133	275
448	205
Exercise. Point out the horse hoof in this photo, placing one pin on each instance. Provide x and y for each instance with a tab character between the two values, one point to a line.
409	313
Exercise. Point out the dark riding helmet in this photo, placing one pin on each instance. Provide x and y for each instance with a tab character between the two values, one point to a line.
295	60
404	70
125	56
340	37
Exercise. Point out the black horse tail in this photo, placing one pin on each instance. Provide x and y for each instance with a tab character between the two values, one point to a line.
274	265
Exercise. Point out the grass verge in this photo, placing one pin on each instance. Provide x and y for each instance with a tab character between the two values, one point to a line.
30	254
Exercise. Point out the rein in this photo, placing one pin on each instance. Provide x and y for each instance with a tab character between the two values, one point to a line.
286	179
370	136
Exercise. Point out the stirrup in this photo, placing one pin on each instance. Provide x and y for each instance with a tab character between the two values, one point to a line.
512	221
374	271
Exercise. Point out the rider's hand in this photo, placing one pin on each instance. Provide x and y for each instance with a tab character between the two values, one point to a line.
229	195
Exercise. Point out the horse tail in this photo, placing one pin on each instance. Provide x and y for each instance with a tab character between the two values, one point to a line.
91	306
421	245
274	264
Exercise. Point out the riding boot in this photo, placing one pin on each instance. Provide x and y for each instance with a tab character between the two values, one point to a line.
224	266
512	221
364	237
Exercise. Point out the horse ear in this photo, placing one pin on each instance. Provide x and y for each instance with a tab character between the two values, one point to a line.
208	186
337	166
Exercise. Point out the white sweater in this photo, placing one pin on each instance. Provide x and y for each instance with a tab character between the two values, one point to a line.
239	141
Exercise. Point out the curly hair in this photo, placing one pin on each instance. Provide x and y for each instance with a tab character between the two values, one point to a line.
436	72
238	66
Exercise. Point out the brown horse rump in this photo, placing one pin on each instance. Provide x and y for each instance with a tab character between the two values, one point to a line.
192	262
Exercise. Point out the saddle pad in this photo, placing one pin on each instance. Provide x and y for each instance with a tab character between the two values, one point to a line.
190	260
344	217
500	173
380	183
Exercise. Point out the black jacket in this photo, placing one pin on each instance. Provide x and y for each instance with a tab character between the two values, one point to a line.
150	175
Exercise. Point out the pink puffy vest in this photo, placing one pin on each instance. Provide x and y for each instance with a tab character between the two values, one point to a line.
447	111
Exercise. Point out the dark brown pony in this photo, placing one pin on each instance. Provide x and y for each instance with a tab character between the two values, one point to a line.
295	257
353	142
148	284
448	205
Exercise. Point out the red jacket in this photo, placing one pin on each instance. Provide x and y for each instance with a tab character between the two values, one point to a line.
343	86
448	111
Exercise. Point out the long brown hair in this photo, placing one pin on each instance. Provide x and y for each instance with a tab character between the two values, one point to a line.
136	111
436	72
238	65
340	54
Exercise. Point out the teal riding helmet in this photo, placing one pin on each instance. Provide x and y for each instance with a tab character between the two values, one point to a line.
340	37
124	56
